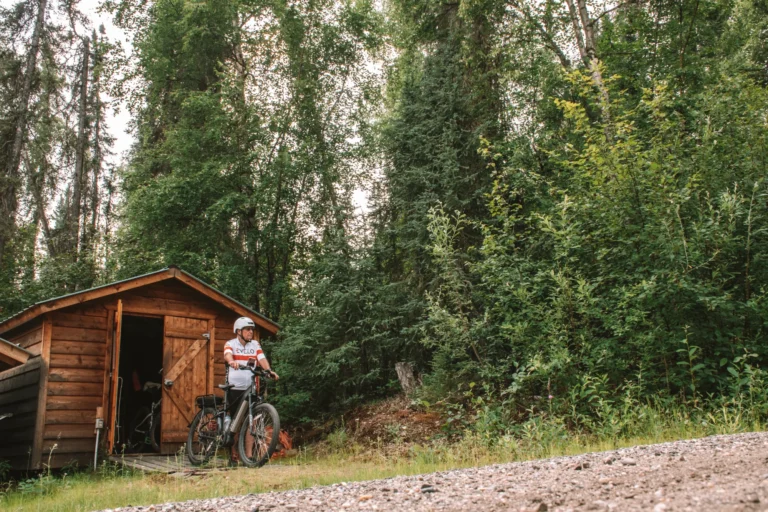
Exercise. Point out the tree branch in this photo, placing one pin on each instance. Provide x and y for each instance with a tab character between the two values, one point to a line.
548	40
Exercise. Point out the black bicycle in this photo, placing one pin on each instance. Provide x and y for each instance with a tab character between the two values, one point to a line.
145	428
256	421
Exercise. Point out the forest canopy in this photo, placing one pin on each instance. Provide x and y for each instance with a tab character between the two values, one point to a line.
548	207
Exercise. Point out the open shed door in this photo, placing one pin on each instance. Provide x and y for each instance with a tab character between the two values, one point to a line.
114	372
187	368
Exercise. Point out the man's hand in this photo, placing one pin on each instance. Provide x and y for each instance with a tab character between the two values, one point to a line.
274	375
234	365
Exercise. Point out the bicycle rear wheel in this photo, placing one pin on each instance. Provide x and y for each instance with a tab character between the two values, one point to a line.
137	430
258	440
154	433
203	437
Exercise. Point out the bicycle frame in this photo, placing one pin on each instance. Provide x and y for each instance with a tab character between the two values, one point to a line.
250	398
154	415
155	405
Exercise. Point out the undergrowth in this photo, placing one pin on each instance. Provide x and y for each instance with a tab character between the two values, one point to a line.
340	458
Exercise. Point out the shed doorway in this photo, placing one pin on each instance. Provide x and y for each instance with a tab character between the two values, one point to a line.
141	366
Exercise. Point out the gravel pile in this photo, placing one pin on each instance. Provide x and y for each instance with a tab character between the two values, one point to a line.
715	473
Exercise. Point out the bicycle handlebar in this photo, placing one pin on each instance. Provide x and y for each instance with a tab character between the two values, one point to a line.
257	370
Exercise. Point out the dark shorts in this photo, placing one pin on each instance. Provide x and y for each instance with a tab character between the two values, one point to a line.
234	397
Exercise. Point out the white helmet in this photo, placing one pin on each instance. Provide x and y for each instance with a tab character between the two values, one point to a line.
242	323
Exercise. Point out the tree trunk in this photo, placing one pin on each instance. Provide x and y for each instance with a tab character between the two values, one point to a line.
109	186
8	203
89	230
577	31
73	225
591	48
586	41
407	377
38	185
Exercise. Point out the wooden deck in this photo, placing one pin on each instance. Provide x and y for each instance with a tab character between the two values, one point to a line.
169	464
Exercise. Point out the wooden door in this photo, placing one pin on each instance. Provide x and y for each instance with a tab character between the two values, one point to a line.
114	373
185	376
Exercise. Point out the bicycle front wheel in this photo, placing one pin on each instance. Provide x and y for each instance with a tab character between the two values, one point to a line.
203	437
258	437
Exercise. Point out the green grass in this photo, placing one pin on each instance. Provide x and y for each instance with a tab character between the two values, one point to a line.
329	463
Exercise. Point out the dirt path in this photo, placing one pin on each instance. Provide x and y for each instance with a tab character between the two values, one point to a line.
724	473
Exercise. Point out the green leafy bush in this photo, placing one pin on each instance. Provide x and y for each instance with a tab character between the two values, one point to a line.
624	278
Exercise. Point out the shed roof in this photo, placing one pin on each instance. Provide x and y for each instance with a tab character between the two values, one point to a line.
13	355
165	274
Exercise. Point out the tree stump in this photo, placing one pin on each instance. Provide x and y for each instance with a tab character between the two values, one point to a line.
407	377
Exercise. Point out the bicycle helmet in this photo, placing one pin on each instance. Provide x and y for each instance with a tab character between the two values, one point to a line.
242	323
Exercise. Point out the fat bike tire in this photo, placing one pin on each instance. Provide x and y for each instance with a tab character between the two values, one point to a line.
203	437
258	439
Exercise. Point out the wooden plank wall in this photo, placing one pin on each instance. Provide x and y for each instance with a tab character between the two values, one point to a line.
224	323
168	298
76	384
30	337
19	396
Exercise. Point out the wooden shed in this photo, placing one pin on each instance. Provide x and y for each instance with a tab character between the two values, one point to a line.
63	358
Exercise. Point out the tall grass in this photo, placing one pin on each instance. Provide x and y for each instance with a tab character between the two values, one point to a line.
341	459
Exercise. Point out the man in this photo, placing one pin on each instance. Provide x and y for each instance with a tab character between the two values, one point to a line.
238	351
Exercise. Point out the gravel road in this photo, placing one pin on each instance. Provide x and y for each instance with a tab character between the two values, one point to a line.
724	473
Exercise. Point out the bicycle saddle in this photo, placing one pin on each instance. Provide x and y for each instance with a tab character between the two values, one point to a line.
226	387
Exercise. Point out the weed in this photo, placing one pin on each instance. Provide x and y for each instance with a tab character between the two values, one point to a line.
624	421
5	470
393	432
338	440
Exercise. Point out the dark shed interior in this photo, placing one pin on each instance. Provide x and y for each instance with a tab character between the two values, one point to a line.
141	365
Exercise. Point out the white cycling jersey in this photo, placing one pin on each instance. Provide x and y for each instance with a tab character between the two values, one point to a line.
241	379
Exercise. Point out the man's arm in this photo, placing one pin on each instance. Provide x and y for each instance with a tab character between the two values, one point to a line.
265	365
229	358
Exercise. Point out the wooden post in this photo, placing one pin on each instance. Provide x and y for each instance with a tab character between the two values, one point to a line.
107	391
97	429
211	354
114	376
42	395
